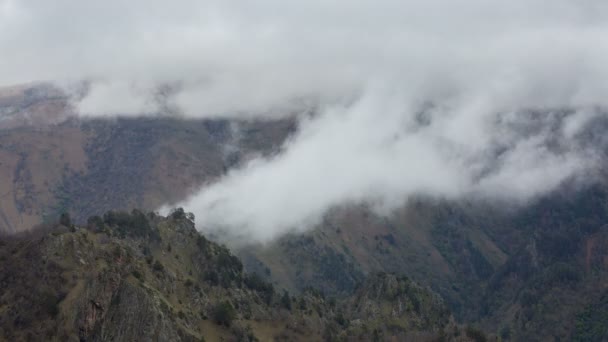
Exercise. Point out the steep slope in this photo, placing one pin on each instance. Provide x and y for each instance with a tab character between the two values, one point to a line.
531	273
136	277
549	286
32	164
444	245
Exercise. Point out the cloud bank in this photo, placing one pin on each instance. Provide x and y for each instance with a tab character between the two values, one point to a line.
380	151
447	98
236	58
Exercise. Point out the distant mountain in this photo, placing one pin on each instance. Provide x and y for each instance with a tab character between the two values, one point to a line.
143	277
33	105
53	162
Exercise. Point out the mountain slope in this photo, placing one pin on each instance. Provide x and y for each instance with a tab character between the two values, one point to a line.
519	271
53	162
131	276
531	273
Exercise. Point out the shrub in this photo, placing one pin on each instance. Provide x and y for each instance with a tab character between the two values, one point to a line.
135	224
137	275
211	277
224	313
178	214
228	262
65	220
50	304
286	300
158	266
476	334
254	282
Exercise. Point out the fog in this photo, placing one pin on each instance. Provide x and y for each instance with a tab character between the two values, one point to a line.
441	98
351	155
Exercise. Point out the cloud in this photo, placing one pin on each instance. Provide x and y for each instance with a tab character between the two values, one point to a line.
235	58
448	98
382	150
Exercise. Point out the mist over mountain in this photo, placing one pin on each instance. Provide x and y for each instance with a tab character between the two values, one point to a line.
416	97
352	155
459	143
234	59
487	99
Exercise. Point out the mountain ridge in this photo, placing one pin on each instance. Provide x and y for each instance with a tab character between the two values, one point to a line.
136	276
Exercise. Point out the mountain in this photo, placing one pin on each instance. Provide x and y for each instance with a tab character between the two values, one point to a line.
534	271
52	162
135	276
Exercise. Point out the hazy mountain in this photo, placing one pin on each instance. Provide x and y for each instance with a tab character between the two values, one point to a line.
406	170
527	271
89	166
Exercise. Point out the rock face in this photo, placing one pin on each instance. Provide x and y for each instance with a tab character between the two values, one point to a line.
133	315
143	277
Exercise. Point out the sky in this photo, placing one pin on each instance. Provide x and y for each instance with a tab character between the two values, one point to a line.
442	98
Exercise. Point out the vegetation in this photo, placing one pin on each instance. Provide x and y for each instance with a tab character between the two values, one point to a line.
102	281
532	272
224	313
65	219
134	224
592	323
256	283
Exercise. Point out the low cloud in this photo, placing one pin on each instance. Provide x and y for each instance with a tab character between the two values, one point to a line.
382	150
446	98
236	58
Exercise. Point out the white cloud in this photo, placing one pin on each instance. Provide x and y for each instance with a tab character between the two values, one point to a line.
116	98
379	151
239	56
371	66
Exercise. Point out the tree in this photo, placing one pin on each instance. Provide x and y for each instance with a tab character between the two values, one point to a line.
286	300
224	313
178	214
65	219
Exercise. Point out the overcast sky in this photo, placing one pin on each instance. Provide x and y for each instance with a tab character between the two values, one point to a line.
253	56
412	96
